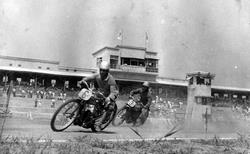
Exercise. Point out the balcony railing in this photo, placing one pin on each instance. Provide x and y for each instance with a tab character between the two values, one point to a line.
152	69
135	69
130	68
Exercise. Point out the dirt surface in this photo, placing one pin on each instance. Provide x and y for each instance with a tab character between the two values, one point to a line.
26	121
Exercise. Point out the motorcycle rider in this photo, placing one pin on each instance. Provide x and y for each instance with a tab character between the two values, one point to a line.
104	82
145	100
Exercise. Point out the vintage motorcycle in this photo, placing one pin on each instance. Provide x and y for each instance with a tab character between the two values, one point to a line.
83	111
129	113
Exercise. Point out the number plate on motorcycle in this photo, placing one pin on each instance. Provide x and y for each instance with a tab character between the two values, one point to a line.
131	103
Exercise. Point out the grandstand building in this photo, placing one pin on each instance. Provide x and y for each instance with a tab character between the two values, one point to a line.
129	65
39	73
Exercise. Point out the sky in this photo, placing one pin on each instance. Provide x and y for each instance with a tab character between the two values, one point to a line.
191	35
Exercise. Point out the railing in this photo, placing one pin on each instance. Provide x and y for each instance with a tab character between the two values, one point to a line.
136	69
130	68
152	69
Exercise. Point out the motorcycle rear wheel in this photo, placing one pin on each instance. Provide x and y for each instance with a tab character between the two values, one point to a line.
118	119
65	115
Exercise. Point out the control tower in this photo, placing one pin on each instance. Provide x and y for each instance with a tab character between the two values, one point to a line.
198	100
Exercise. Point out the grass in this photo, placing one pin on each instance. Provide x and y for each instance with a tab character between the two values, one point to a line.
88	144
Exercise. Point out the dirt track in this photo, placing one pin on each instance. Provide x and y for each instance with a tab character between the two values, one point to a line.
28	121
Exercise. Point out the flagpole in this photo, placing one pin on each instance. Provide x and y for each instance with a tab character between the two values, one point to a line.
146	40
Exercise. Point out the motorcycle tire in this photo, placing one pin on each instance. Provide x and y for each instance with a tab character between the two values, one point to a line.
73	115
104	125
119	116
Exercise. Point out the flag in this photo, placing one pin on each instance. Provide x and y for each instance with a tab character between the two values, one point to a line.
146	37
120	35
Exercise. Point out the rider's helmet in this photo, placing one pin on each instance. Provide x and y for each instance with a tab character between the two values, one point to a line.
104	69
104	65
145	84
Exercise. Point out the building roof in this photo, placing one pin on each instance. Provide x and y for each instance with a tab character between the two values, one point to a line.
29	59
41	71
170	81
180	82
111	48
230	88
130	47
77	68
124	47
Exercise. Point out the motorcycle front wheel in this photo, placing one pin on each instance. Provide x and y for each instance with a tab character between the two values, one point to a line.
65	115
119	117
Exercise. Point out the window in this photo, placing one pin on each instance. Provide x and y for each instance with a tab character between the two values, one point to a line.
47	68
19	65
141	62
125	61
152	63
40	67
200	80
244	97
191	80
134	62
113	61
10	64
203	100
207	81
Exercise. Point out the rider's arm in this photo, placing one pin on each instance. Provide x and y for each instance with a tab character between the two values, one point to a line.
86	79
149	103
113	89
89	78
149	100
113	92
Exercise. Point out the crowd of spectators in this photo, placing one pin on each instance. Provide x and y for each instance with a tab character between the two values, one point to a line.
41	92
165	107
242	107
162	105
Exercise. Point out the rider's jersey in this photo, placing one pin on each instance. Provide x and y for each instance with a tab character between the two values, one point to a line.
107	86
145	96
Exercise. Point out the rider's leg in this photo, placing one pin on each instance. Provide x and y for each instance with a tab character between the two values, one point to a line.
142	117
106	114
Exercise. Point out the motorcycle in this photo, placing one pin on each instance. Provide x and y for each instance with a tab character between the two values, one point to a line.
83	111
129	113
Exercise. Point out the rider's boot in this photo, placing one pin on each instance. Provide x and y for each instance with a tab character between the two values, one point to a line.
99	122
109	109
137	123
